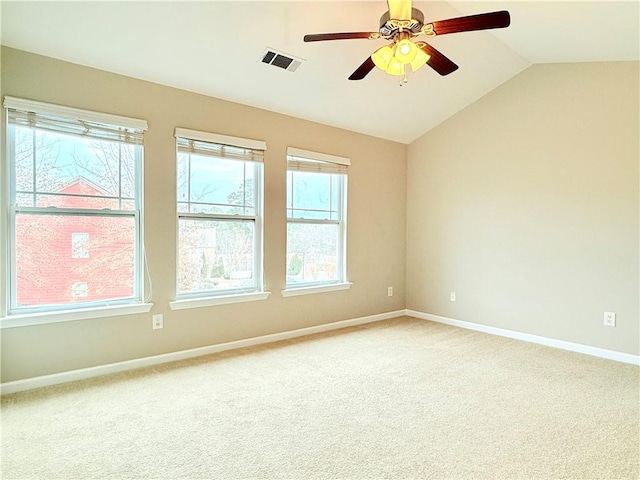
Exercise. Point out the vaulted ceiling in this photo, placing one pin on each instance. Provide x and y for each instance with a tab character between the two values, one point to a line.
215	48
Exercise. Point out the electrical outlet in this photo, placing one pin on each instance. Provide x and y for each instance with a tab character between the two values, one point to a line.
452	296
610	319
390	292
158	321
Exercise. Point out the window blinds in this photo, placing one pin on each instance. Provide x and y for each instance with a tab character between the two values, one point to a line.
306	161
73	121
221	146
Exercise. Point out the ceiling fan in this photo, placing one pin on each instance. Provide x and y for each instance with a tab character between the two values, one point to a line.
400	24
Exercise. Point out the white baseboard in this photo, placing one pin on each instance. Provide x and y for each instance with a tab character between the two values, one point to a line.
527	337
73	375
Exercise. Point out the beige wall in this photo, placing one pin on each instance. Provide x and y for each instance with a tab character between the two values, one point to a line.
526	205
376	222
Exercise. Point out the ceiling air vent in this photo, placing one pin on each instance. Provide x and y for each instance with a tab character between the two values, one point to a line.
282	60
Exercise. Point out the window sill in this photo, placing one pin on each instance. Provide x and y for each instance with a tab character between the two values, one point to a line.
222	300
27	319
292	292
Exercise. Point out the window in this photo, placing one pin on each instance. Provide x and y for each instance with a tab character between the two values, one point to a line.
79	245
73	175
219	187
316	218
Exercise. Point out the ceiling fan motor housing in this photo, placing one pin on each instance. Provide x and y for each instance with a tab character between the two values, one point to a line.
390	26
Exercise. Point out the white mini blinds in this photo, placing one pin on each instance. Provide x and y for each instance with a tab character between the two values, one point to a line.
73	121
230	152
306	161
223	146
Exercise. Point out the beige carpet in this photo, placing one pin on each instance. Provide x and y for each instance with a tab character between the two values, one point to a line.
403	398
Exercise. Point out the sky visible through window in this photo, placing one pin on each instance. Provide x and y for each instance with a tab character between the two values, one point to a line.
312	195
61	158
215	181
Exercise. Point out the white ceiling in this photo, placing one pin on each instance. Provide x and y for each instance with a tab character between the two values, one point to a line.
215	47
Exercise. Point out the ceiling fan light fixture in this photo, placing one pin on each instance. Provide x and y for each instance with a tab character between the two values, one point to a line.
420	59
406	51
395	67
382	57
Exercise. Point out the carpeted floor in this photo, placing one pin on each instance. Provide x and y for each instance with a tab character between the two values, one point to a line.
403	398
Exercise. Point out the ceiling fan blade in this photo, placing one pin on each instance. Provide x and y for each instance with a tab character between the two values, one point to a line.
399	9
438	61
482	21
319	37
363	70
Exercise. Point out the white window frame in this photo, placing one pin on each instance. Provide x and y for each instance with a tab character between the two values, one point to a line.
78	122
209	297
296	159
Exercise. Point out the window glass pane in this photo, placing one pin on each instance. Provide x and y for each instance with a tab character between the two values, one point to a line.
313	195
289	190
312	253
215	185
24	200
336	190
208	208
127	205
311	190
311	215
47	269
127	170
215	255
215	181
183	177
53	161
23	149
78	202
68	165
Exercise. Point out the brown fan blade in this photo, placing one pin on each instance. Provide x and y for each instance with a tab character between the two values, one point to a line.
483	21
399	9
363	70
438	61
319	37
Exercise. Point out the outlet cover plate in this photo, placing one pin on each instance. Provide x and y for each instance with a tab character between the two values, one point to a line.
158	321
610	319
